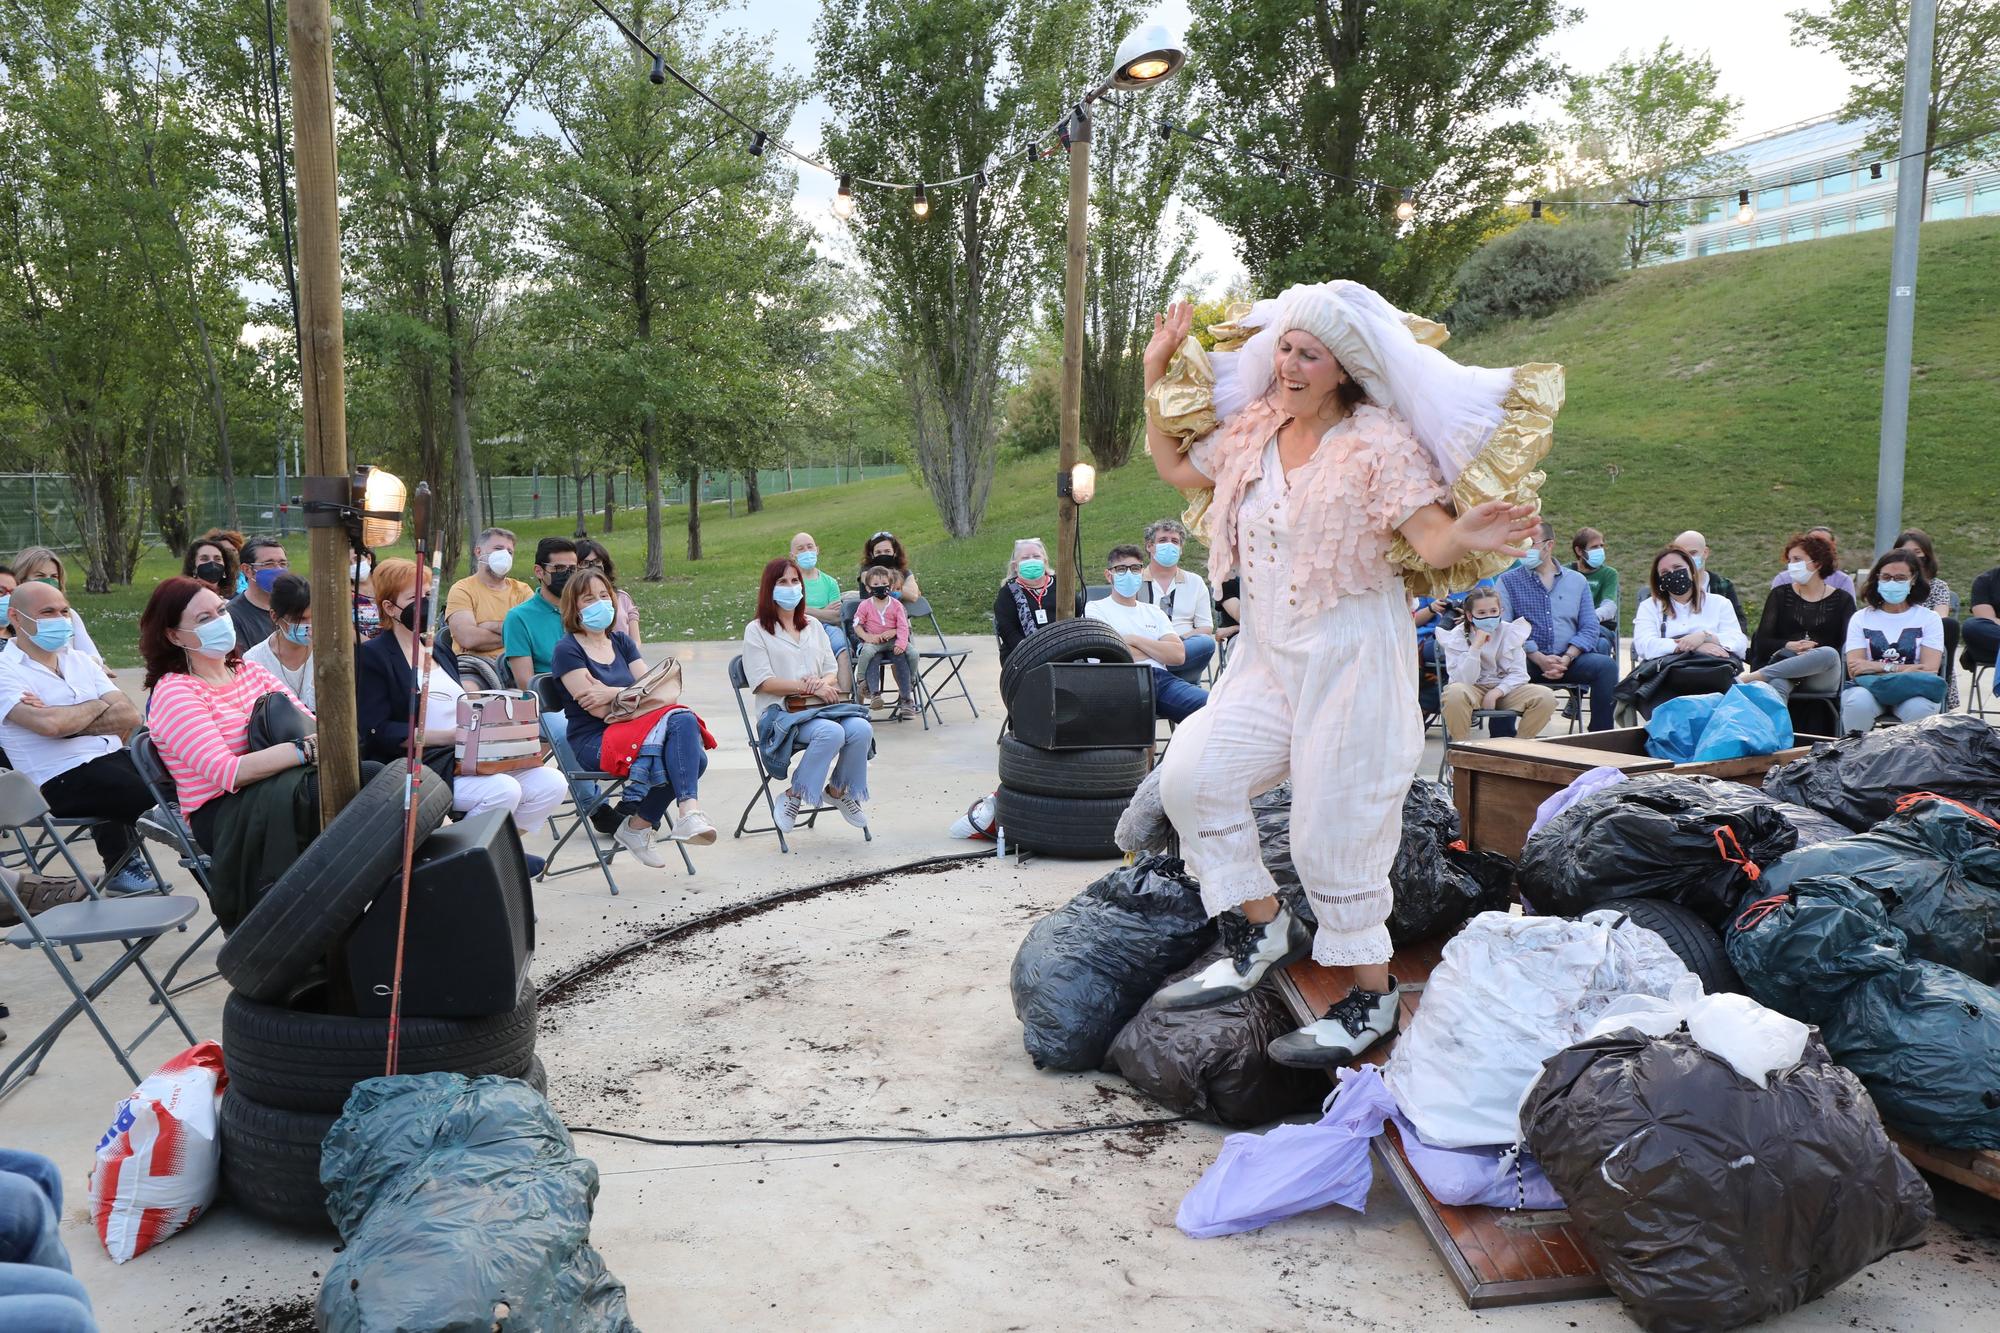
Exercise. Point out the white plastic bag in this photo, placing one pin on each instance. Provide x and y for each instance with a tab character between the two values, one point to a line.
1509	993
1757	1042
158	1163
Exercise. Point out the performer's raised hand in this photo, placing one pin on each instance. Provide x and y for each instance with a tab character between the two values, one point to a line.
1169	331
1509	529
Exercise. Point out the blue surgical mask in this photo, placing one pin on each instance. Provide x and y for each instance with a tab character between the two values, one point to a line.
598	616
242	583
217	637
1892	590
266	578
1699	561
1168	554
1799	571
1487	623
807	560
6	601
53	634
788	595
300	634
1127	584
1032	570
1532	560
1594	557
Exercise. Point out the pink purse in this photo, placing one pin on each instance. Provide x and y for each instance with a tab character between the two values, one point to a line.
499	731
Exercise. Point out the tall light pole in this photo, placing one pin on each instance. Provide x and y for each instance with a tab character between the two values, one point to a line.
1910	176
1149	55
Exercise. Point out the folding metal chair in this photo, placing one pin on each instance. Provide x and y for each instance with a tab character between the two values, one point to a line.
56	836
1976	671
1573	700
581	804
951	661
1480	717
474	672
740	683
166	825
134	923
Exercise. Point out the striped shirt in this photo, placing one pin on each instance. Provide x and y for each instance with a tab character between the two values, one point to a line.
201	729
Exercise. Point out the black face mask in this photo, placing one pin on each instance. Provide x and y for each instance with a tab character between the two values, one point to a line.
416	614
882	558
1677	583
559	579
210	571
878	593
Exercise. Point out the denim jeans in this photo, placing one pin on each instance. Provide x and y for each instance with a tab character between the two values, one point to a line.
1859	710
841	747
1200	648
869	669
1173	698
668	768
1597	670
838	636
36	1289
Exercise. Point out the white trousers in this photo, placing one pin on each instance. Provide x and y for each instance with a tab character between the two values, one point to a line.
528	795
1332	704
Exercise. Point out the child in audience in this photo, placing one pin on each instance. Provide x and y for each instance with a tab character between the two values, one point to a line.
884	630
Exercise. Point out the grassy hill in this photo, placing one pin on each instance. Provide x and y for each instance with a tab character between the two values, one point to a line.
1739	394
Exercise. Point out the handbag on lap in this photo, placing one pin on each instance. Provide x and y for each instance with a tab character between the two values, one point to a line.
499	731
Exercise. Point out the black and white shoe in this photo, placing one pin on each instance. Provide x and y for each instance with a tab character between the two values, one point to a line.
1350	1027
1253	951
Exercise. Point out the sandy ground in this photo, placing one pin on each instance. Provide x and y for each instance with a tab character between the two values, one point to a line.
881	1009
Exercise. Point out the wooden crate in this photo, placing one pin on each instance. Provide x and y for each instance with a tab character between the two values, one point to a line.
1974	1168
1498	784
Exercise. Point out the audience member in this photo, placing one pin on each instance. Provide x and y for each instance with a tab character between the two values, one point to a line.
1893	634
38	893
1678	617
361	578
37	1292
1147	632
476	608
1982	626
212	562
1564	646
287	651
1183	596
884	630
1026	598
1486	663
593	554
39	564
65	725
1838	579
531	630
230	541
1942	599
7	585
1229	610
263	560
253	811
1696	548
788	658
1588	548
824	604
1803	621
884	549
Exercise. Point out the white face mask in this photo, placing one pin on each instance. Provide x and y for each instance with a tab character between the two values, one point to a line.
500	562
358	570
1800	571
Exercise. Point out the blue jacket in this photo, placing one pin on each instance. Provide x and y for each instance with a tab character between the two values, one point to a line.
1561	616
778	732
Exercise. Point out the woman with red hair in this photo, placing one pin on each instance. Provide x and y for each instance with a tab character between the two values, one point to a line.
788	659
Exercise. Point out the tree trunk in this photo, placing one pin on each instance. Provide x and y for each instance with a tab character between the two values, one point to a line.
753	495
649	435
692	476
465	471
576	475
610	502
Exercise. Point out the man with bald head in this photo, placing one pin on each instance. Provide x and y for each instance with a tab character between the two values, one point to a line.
1712	583
823	604
65	724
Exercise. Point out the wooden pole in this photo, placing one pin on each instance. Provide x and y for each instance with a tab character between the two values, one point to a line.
323	387
1071	425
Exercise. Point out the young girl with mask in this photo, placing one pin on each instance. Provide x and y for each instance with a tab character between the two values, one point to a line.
884	630
1486	663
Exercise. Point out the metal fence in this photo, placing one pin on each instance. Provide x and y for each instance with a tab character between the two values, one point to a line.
39	508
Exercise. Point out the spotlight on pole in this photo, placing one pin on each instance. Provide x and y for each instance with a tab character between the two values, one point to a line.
1744	211
1149	54
1078	485
1406	208
921	205
843	202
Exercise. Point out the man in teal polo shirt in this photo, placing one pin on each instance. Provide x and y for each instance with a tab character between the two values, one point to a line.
823	604
528	636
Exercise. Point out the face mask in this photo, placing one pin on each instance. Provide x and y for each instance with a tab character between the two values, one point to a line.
1487	623
300	634
210	571
882	558
499	562
358	570
416	614
1167	554
1126	584
808	560
879	593
51	582
558	579
1890	590
217	637
5	602
53	635
242	583
1699	561
1032	570
1677	583
1532	560
598	616
788	595
1594	557
1799	571
268	577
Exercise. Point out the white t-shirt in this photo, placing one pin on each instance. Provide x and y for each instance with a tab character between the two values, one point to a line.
1897	637
1148	622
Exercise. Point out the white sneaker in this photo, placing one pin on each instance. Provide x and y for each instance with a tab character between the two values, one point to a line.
693	827
1252	951
639	842
851	811
789	806
1354	1023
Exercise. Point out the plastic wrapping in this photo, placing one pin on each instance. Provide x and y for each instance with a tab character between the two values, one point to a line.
1211	1063
158	1164
1659	835
1707	1200
1858	781
1086	968
1757	1042
457	1196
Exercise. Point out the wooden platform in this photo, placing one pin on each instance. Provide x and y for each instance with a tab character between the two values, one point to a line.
1496	1257
1974	1168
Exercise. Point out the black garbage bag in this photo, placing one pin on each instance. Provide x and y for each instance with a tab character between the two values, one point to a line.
1211	1063
454	1196
1708	1200
1935	865
1685	839
1088	966
1922	1037
1857	781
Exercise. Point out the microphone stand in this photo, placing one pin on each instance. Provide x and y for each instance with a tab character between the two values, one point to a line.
429	561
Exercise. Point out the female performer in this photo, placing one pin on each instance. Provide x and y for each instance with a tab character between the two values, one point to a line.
1345	443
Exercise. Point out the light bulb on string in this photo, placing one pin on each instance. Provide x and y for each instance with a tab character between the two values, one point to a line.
1535	211
1407	208
921	204
757	141
1744	212
1034	152
843	202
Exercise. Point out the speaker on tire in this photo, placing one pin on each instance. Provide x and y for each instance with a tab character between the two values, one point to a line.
1084	706
471	928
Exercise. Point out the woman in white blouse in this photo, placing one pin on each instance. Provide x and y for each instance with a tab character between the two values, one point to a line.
1679	618
788	659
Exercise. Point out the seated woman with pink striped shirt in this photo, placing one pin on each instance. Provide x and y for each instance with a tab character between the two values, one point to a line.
253	811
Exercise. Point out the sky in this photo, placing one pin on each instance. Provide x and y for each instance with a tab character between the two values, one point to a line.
1749	41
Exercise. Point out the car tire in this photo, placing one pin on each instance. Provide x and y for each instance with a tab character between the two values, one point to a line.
295	1060
1078	640
1071	773
1692	939
301	917
1059	826
270	1162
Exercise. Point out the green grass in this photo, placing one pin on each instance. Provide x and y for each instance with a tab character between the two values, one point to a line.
1740	395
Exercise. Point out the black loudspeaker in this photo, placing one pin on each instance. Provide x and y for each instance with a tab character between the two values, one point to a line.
471	930
1084	706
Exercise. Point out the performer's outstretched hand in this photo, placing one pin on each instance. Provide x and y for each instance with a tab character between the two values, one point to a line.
1169	331
1498	526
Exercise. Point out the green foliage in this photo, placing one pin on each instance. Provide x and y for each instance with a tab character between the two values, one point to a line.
1531	271
1428	93
1032	420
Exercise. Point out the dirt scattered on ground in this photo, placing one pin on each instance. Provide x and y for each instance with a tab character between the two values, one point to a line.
296	1315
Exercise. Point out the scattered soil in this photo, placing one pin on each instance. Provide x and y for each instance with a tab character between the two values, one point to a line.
296	1315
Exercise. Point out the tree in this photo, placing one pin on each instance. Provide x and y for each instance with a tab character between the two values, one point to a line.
1646	128
1871	38
1426	95
931	90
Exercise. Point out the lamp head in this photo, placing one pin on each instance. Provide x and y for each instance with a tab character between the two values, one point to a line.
1149	54
379	496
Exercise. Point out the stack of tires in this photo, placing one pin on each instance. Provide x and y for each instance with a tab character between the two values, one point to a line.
1064	802
291	1057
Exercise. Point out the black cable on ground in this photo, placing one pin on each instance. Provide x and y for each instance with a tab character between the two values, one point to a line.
996	1137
